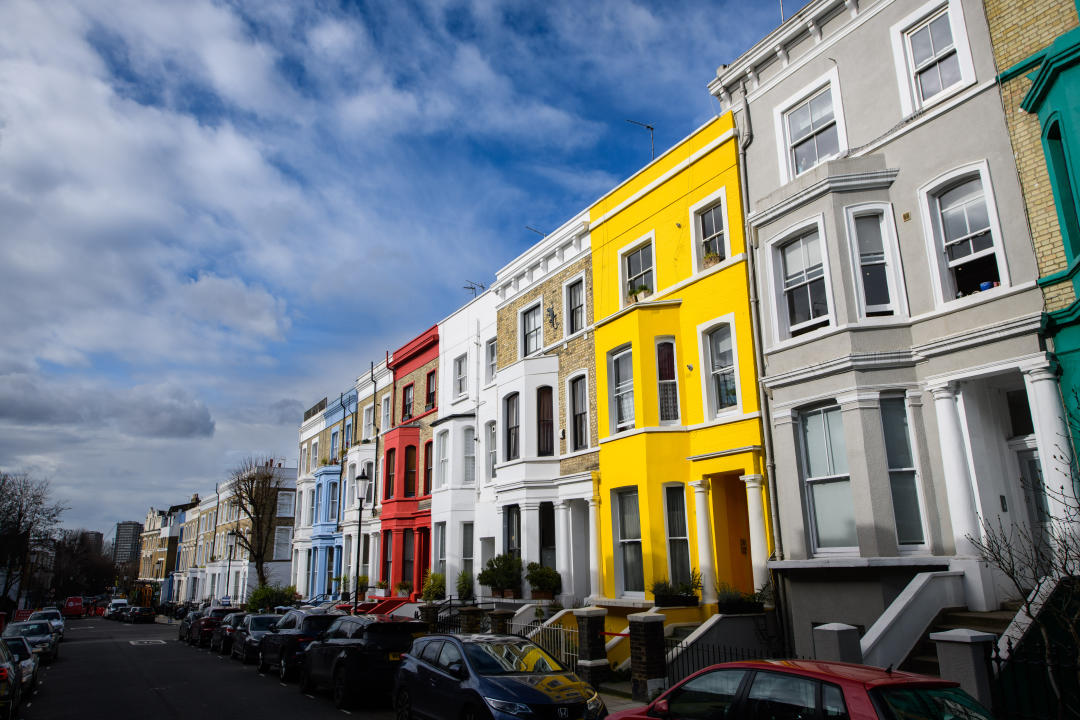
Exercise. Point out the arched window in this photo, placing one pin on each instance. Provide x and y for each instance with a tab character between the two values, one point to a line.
545	425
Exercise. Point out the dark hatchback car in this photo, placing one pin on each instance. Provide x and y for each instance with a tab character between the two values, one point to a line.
808	689
140	615
245	643
221	639
502	677
184	630
287	640
203	627
358	656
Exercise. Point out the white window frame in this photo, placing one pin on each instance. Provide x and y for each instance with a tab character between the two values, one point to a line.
287	534
617	542
387	404
369	422
315	454
806	486
580	277
894	270
831	79
940	276
285	501
491	456
438	548
305	459
656	361
612	356
781	329
909	548
491	360
648	238
538	306
568	389
717	198
667	527
902	61
704	362
468	453
442	451
369	484
461	375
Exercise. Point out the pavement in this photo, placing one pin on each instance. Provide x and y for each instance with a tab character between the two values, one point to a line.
108	669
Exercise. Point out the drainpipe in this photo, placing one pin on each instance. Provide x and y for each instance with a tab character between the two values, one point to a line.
341	477
746	138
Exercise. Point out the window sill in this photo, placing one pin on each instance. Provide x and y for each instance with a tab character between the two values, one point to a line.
924	106
855	561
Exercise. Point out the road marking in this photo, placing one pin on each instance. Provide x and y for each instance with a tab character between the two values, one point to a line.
309	696
146	642
283	685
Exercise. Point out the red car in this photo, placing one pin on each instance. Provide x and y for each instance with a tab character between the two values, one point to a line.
808	689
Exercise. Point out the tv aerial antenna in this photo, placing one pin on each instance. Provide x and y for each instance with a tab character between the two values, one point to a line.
476	287
652	145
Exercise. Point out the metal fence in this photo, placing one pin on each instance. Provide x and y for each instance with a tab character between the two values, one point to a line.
685	658
561	642
1033	685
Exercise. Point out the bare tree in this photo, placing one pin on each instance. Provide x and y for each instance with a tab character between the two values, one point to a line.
255	483
27	513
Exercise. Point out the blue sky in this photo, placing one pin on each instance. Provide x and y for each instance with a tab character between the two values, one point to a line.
216	213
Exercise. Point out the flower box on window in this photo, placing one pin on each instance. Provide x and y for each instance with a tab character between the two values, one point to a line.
641	292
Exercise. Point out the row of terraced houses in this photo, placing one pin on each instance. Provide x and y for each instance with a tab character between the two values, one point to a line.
817	345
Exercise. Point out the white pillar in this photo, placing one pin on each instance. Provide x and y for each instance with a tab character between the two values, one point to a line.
594	548
755	511
962	507
1053	441
301	572
704	541
530	533
562	546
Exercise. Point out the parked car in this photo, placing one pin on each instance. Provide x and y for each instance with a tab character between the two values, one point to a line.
809	688
358	654
289	637
184	631
112	612
140	615
11	687
54	618
39	634
502	677
74	607
203	627
29	663
245	644
222	638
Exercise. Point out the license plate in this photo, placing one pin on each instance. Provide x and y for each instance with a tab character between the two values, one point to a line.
395	656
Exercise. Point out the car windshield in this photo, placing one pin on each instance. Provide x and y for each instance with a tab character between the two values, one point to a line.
45	615
27	629
316	623
933	703
221	612
18	649
502	657
263	622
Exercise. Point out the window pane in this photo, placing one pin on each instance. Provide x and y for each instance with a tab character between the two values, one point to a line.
941	33
633	569
629	527
706	224
646	257
794	263
954	222
977	216
812	246
775	695
868	234
706	697
905	499
921	49
805	155
929	82
949	68
799	122
821	108
828	143
817	452
834	514
875	284
665	360
819	303
720	348
834	426
676	511
895	422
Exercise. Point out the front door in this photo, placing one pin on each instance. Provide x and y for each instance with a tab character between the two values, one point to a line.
1031	479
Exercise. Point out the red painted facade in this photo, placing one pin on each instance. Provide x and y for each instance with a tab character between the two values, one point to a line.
406	498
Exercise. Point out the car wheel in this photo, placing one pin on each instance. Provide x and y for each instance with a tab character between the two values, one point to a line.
284	671
403	706
343	697
262	667
305	685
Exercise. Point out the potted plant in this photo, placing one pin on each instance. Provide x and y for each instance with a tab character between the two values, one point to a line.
503	575
465	585
640	292
361	584
434	587
667	594
711	259
731	601
545	582
404	588
380	588
324	461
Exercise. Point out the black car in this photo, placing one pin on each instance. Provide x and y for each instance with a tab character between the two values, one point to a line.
289	638
221	639
502	677
202	627
358	654
140	615
10	684
245	644
184	631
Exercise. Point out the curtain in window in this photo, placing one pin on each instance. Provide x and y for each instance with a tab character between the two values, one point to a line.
722	368
545	426
665	371
633	572
410	471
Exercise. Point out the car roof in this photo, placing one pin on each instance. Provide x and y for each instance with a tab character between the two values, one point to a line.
824	670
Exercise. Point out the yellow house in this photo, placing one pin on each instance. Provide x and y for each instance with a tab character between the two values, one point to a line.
680	486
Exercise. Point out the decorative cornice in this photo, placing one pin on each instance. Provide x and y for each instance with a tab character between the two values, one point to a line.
725	453
846	182
1063	52
650	304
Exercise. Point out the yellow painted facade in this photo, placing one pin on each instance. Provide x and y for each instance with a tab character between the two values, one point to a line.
663	205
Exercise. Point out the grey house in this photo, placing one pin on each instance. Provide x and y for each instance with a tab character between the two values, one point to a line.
910	398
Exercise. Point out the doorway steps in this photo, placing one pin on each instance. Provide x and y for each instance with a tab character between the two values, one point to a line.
923	658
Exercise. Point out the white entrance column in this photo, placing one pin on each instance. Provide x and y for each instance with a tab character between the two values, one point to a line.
302	572
1053	441
594	548
759	547
965	520
978	582
530	533
562	546
704	541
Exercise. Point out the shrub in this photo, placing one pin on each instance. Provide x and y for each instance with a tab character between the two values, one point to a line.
404	587
503	572
434	587
465	585
267	597
543	578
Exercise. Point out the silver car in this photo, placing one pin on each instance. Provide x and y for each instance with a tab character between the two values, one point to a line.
28	660
53	616
39	634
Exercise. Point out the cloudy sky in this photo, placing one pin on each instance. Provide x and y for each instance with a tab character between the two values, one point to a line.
212	214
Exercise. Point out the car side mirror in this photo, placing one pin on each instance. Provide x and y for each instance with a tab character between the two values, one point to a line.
273	628
660	709
457	669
